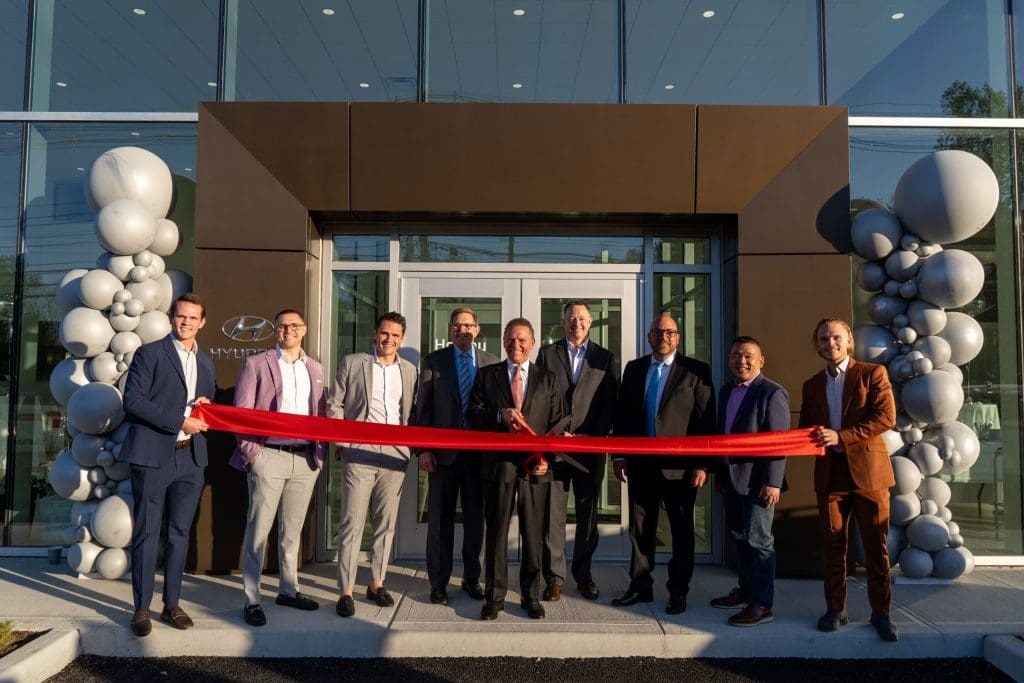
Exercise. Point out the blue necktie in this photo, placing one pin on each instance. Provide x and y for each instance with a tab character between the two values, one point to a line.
651	398
465	380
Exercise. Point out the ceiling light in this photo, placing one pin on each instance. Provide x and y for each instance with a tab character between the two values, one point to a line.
61	84
709	13
80	168
670	86
139	11
328	11
517	85
364	85
212	84
898	16
188	169
519	12
134	133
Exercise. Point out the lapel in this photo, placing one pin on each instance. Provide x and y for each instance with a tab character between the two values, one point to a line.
275	371
746	407
562	353
368	383
675	376
505	385
172	353
451	369
852	377
531	380
821	403
408	374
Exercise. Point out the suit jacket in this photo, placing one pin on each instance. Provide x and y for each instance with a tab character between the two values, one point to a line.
438	402
765	408
259	387
349	399
687	408
591	401
155	395
543	407
868	412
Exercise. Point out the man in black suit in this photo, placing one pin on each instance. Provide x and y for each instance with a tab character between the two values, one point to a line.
505	397
446	379
586	376
663	394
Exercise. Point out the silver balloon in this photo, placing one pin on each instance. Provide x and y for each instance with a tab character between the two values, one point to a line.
946	196
903	508
112	563
125	343
891	288
138	274
871	276
915	563
934	348
964	336
134	308
168	238
933	398
965	443
154	325
85	332
69	479
874	344
118	265
927	532
894	443
130	173
97	289
902	265
950	279
82	557
882	308
899	321
923	366
156	267
952	370
874	233
96	475
895	542
81	512
954	528
926	456
903	423
934	489
906	335
85	448
69	290
105	459
908	290
111	523
123	322
147	291
913	435
907	475
103	368
125	227
96	408
67	376
948	563
929	507
910	242
969	557
945	514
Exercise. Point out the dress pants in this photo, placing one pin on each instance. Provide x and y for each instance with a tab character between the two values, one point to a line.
750	525
281	483
585	487
175	487
381	489
500	499
648	489
448	484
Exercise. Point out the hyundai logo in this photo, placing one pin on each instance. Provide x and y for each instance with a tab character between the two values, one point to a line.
247	328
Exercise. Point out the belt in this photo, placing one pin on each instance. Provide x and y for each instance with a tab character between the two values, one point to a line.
290	447
184	443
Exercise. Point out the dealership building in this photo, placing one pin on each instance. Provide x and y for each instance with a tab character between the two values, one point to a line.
350	157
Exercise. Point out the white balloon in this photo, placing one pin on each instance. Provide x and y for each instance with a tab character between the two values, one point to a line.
166	293
953	370
125	227
123	322
103	368
950	279
933	398
902	265
875	233
926	456
894	443
97	475
903	508
935	489
138	274
97	289
85	332
148	292
68	292
143	258
124	343
154	325
82	557
907	475
964	336
112	563
67	376
69	479
927	532
96	408
966	445
934	348
112	522
168	238
130	173
948	563
118	265
915	563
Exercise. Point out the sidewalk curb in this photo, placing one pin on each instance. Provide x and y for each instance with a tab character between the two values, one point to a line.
43	657
1006	653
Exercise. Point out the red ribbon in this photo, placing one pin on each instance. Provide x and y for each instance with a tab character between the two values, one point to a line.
269	423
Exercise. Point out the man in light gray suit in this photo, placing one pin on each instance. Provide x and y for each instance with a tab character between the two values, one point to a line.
281	472
372	387
446	378
751	403
585	373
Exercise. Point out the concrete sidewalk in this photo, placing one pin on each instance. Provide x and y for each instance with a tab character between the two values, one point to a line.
936	619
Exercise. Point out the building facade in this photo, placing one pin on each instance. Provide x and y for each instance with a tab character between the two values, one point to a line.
373	214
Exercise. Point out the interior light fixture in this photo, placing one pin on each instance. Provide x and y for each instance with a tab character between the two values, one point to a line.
517	85
670	86
709	13
328	11
134	134
187	169
80	168
212	84
519	12
898	16
364	84
61	84
139	11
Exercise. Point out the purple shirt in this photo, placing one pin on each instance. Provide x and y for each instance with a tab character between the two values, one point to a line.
732	406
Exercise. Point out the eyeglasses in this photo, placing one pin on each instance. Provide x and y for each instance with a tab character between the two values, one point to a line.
466	326
658	332
294	327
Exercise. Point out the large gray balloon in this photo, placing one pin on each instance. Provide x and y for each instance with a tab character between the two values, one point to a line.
933	398
875	233
946	196
904	508
894	442
69	479
125	342
125	227
902	265
130	173
883	308
85	332
948	563
965	442
67	376
103	368
927	532
950	278
168	238
964	336
895	542
96	408
111	523
935	348
85	448
118	265
907	475
875	344
148	292
69	290
934	489
915	563
82	557
97	289
112	563
871	276
153	325
926	456
953	370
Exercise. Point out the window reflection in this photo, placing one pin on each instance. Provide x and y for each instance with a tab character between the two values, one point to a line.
13	27
519	249
10	181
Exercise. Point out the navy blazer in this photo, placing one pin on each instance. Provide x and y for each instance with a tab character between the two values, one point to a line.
154	401
765	408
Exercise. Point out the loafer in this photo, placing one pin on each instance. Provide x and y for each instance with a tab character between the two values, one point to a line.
553	593
254	616
533	608
752	615
176	617
141	623
346	606
736	598
380	596
832	620
438	596
886	629
631	598
676	604
491	609
474	589
588	589
298	601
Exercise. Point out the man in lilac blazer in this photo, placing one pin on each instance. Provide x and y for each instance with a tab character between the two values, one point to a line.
281	471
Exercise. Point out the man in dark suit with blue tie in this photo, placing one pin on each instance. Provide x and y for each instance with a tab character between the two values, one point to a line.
446	379
663	394
751	403
166	448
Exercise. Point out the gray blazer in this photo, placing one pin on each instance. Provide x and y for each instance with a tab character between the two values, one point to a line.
438	399
349	399
765	408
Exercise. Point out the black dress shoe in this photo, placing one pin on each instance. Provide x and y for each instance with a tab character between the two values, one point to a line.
886	629
346	606
254	616
380	596
176	617
676	604
474	589
298	601
832	620
588	589
141	623
438	596
491	609
533	608
631	598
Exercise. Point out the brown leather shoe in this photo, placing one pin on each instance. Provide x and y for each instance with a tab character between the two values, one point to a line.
735	598
752	615
176	617
141	624
553	593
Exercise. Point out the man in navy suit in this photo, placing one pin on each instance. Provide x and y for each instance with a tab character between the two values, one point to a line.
747	404
166	448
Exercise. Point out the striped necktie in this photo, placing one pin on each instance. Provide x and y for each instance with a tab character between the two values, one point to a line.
465	379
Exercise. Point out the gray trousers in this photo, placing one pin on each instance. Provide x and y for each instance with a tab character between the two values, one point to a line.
381	489
280	483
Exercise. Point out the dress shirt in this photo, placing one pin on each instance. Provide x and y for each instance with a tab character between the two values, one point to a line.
190	368
386	397
576	356
295	388
732	406
524	370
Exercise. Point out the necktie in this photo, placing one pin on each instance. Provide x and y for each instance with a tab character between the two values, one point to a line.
517	386
465	381
651	398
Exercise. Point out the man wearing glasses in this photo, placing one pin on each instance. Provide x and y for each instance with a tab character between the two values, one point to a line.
663	394
446	378
281	472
